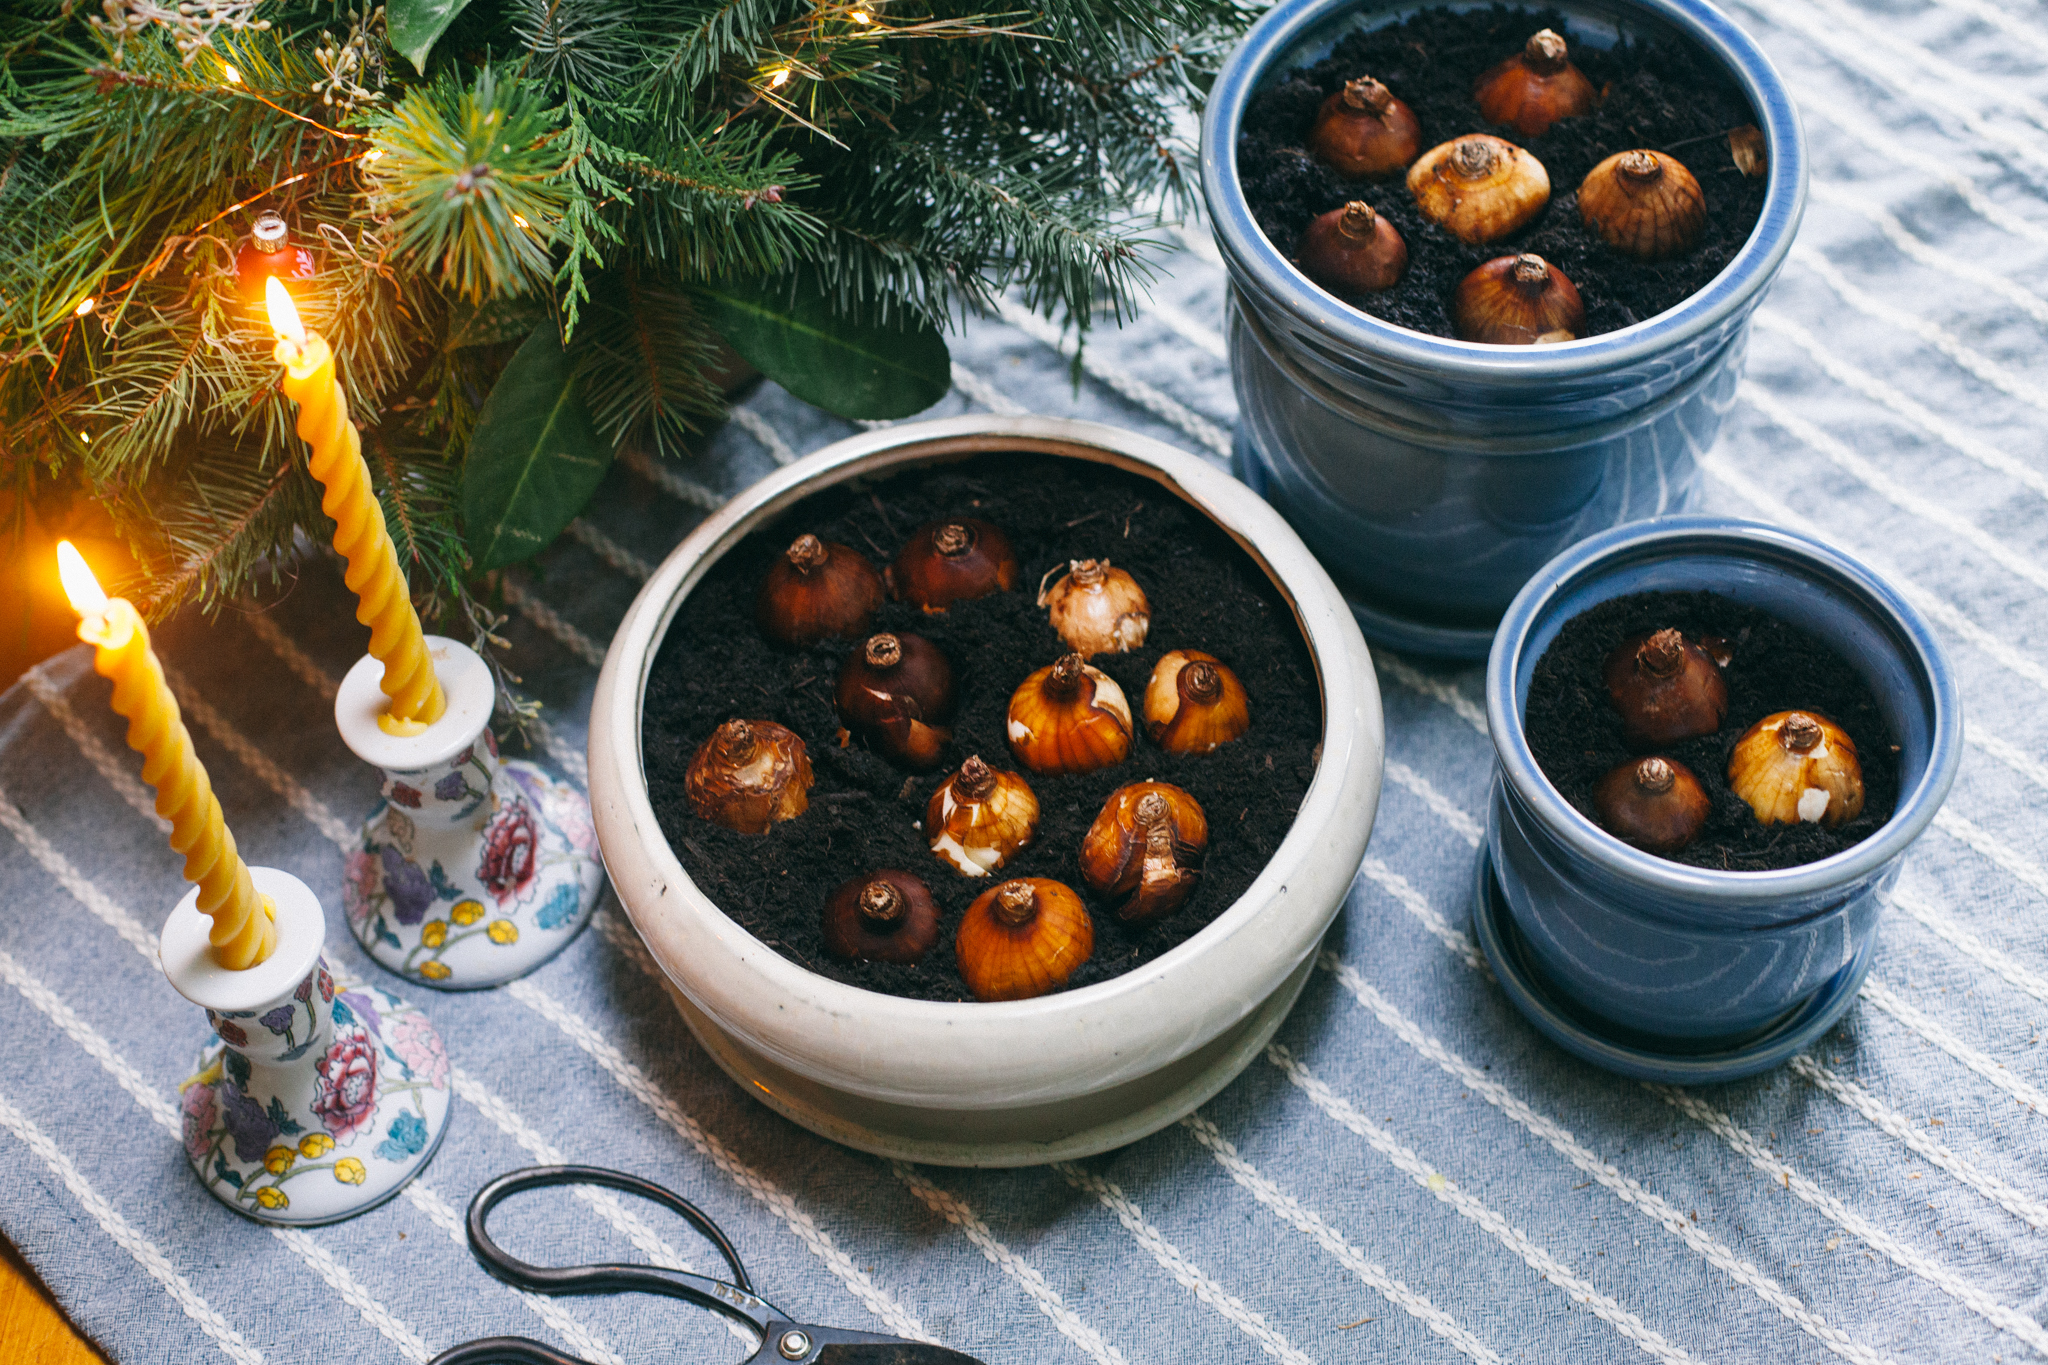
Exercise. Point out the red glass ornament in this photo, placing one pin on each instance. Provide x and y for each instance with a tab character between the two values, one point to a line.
270	251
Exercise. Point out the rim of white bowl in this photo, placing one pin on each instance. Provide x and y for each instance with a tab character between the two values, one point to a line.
833	1031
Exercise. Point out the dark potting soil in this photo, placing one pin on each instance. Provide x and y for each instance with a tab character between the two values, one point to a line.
1668	97
1575	732
1206	593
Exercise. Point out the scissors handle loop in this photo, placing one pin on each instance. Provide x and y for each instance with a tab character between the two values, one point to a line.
736	1300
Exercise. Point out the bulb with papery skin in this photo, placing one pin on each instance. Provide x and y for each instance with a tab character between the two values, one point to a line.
885	916
1069	717
1536	87
1144	851
1194	703
1096	608
1643	204
749	775
1363	130
816	590
951	561
1479	188
1518	301
1749	151
896	692
1796	767
1022	939
980	818
1654	803
1665	688
1352	250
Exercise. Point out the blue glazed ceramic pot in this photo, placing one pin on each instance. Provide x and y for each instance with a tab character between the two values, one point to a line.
1677	960
1431	476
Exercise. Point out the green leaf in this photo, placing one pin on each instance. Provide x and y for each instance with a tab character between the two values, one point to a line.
846	365
414	25
534	459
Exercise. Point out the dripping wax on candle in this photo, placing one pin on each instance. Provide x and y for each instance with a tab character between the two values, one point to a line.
243	933
385	603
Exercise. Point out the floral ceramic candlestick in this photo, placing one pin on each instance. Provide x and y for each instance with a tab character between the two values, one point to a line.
317	1100
473	870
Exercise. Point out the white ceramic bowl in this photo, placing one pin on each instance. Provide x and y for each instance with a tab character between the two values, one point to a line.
1028	1081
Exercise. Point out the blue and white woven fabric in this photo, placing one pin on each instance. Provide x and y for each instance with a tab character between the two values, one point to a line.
1410	1173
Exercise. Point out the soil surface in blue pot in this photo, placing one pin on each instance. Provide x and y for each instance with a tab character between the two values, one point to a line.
865	811
1576	733
1668	97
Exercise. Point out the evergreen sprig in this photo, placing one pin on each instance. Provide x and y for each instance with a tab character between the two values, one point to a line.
597	168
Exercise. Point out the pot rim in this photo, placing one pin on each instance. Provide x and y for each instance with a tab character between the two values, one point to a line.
1254	259
1679	537
842	1033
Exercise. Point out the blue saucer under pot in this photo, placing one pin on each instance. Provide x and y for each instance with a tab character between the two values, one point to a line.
1652	967
1432	477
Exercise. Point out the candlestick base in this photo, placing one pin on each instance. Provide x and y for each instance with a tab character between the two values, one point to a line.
316	1100
473	870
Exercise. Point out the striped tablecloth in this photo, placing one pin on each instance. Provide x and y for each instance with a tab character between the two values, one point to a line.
1410	1172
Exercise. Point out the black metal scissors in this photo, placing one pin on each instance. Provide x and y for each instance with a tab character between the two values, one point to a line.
783	1341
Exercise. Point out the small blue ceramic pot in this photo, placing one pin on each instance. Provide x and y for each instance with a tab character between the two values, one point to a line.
1638	962
1430	476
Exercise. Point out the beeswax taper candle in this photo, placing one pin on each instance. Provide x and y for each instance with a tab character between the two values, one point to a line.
384	603
243	933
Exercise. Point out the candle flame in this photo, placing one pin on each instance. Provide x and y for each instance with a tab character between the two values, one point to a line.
87	599
284	314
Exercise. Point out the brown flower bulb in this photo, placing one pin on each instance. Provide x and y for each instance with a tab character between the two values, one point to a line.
896	692
1479	188
1795	767
1748	150
1069	718
1654	803
1353	250
885	916
1096	608
1364	130
1518	301
980	818
945	562
1666	689
1535	88
1194	703
1643	204
815	590
1022	939
1144	852
748	776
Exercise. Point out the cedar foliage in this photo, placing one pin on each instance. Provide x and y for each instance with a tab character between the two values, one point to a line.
585	166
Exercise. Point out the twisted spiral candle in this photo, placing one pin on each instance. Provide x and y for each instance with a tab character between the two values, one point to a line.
384	602
243	933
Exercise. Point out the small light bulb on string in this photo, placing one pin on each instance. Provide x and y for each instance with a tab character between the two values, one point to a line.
519	219
861	16
779	79
374	154
85	306
270	253
230	75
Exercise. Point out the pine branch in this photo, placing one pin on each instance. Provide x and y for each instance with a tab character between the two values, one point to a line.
472	178
642	356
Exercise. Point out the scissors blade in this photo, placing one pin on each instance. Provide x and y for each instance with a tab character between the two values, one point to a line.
890	1353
